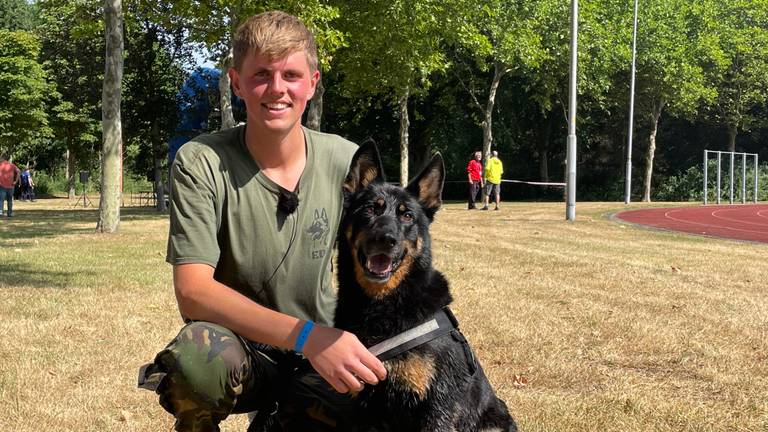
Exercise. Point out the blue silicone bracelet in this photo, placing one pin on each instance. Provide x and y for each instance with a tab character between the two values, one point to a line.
303	336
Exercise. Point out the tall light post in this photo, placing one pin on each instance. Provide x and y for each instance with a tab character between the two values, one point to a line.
628	183
570	206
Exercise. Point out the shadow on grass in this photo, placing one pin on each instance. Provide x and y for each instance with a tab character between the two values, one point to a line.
16	274
38	223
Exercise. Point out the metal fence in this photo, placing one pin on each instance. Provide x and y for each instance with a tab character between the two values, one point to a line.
731	165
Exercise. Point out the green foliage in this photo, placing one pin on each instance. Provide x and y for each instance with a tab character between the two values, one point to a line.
394	47
24	84
671	59
54	183
212	22
153	76
73	55
689	184
17	15
50	184
703	64
739	31
506	32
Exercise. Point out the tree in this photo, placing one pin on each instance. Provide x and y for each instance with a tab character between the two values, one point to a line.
529	41
670	75
72	55
504	37
394	48
24	83
154	75
111	158
741	31
17	15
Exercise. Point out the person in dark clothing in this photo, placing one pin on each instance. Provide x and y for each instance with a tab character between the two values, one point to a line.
27	185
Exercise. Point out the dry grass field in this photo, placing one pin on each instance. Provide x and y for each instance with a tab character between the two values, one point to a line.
584	326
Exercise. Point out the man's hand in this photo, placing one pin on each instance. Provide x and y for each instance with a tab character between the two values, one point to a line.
341	359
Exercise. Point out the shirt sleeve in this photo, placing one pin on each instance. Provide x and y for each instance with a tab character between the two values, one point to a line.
192	237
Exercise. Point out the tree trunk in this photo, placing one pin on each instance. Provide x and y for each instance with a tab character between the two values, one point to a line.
404	123
70	173
315	113
498	72
225	94
157	156
109	205
732	132
651	151
159	186
543	168
546	135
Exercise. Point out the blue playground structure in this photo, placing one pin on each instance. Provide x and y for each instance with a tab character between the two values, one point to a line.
197	98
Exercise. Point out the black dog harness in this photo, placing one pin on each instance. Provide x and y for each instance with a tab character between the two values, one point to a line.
442	323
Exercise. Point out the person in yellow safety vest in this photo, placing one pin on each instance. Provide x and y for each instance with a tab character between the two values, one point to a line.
493	171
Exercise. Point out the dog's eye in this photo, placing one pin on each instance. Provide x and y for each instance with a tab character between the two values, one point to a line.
407	216
365	210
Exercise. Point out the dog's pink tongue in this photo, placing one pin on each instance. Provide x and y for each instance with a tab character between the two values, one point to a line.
379	264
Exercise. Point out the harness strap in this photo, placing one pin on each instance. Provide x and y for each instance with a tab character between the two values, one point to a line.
442	323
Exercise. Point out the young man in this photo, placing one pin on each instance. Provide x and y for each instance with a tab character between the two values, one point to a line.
254	216
493	171
474	174
27	185
9	176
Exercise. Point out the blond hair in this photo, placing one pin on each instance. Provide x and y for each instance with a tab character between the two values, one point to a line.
275	34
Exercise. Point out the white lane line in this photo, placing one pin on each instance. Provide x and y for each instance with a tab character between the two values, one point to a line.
667	215
716	215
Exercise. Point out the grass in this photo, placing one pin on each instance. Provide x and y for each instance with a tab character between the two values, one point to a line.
591	325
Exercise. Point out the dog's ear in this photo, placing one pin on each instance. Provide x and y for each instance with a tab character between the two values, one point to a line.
365	168
428	186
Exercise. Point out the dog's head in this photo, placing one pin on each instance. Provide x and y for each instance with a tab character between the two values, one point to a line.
386	227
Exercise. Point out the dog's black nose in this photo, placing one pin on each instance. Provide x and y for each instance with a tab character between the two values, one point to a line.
385	239
389	239
384	233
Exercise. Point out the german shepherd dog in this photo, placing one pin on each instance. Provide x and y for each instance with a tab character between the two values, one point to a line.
386	286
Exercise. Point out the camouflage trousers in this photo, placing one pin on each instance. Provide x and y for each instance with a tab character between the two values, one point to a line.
208	372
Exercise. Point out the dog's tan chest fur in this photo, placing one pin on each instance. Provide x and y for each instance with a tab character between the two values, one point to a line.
413	373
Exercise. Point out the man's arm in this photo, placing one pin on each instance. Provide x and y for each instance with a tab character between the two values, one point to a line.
338	356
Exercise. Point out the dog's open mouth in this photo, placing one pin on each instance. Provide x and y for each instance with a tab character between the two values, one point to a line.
378	266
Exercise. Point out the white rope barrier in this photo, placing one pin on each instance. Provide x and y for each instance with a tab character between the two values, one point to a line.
518	181
535	183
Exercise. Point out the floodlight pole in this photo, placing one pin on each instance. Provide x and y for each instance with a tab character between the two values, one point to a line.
628	183
570	207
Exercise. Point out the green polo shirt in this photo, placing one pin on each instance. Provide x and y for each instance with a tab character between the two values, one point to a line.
224	214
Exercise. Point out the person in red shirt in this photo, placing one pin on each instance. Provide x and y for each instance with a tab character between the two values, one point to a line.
474	174
9	176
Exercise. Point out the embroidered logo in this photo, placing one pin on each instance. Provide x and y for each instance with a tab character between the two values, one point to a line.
318	232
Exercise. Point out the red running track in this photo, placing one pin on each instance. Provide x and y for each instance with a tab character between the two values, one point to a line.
742	222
